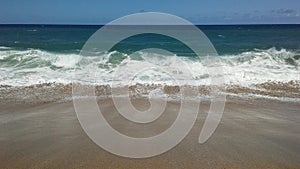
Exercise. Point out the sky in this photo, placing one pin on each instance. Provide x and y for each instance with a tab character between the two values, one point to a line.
103	11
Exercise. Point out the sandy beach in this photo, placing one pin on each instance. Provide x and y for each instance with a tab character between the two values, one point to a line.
253	133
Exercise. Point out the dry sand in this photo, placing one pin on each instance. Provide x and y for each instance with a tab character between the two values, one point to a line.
252	134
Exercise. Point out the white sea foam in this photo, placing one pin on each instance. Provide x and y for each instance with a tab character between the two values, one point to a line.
33	66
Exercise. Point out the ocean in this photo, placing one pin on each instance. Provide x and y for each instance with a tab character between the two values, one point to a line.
251	56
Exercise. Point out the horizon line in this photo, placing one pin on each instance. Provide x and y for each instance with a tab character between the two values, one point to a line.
74	24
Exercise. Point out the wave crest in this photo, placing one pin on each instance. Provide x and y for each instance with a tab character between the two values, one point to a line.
34	66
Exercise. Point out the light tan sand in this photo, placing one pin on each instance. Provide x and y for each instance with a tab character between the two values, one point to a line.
252	134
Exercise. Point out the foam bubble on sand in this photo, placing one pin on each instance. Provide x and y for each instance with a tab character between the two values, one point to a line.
52	92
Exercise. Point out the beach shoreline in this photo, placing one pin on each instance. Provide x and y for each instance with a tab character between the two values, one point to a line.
60	92
44	68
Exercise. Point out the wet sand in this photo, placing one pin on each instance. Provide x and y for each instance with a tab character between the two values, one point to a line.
252	134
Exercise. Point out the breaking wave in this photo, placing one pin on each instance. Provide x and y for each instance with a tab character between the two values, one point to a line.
33	66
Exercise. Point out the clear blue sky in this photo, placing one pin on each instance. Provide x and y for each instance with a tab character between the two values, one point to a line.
103	11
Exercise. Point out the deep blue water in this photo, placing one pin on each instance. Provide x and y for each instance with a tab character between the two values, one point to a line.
227	39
